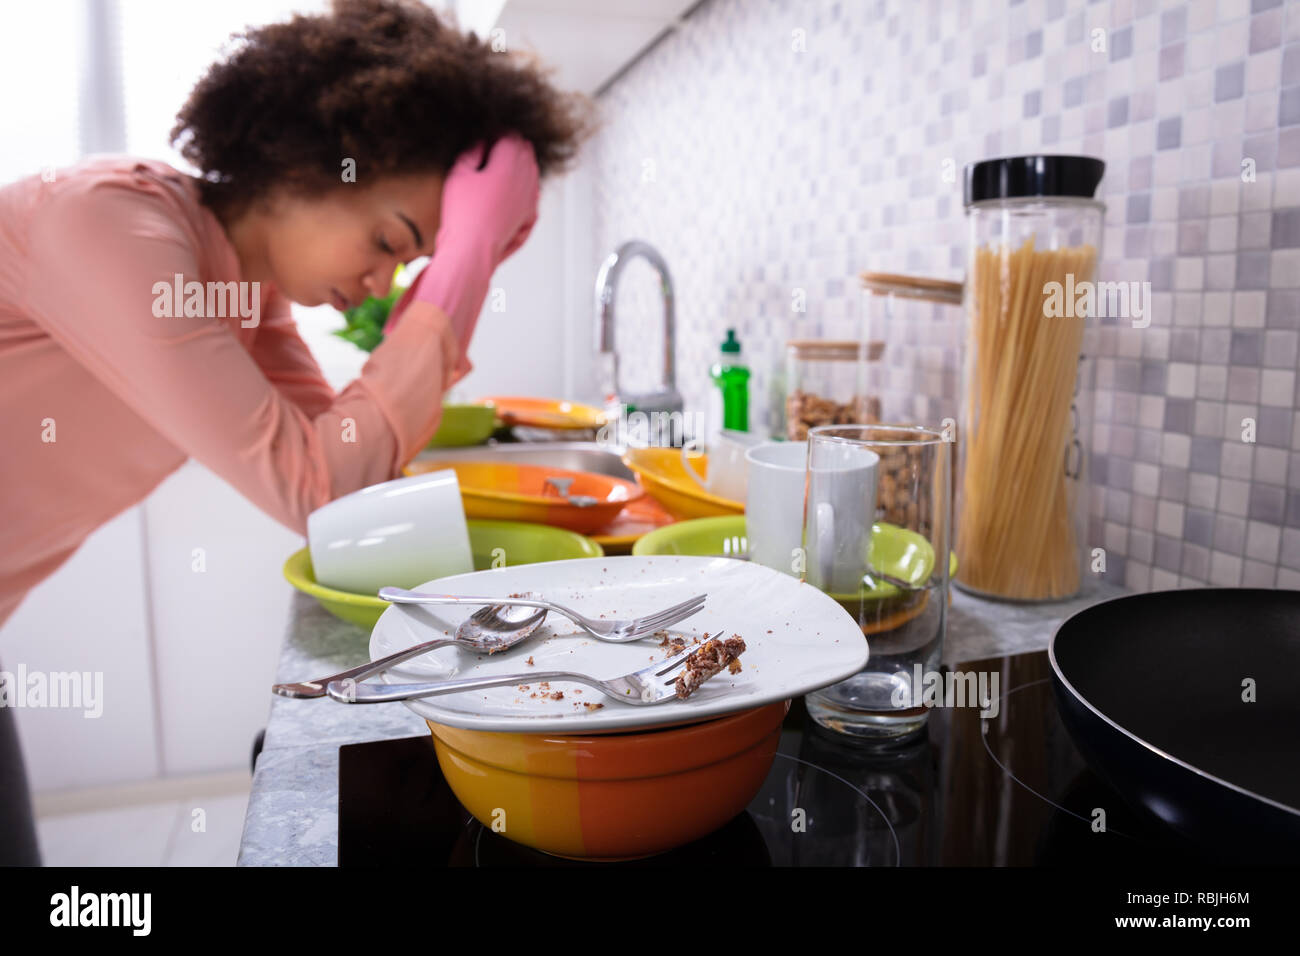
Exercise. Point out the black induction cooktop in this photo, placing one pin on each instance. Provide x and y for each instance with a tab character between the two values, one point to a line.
1007	790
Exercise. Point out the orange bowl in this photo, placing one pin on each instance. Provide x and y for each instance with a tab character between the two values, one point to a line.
508	491
612	796
544	412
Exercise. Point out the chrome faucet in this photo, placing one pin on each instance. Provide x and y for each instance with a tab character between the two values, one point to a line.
667	399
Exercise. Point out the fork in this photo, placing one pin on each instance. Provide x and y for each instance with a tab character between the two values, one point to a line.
615	631
639	687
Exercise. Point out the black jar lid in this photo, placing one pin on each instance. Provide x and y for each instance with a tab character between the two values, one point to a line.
1017	177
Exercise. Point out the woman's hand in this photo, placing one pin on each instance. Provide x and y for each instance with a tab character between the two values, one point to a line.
494	207
486	215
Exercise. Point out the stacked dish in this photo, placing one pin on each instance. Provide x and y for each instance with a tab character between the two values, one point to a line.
512	541
578	500
569	771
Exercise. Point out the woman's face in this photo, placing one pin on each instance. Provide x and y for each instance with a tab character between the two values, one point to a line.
339	248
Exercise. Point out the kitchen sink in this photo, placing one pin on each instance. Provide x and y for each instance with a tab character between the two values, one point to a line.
603	459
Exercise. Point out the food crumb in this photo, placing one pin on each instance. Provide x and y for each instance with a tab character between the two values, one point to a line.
529	662
558	695
593	706
712	657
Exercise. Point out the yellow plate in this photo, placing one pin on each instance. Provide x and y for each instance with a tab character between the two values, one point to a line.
661	473
544	412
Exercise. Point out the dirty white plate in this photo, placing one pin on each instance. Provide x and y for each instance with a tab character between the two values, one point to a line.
797	639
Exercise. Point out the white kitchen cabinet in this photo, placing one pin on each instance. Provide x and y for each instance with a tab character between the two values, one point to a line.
91	616
217	630
187	657
581	263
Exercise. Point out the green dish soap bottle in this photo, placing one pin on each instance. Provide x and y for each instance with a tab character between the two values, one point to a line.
732	379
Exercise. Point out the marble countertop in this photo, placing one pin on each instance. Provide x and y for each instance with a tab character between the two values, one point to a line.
292	817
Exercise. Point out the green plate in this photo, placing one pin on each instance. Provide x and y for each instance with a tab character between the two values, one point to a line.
521	543
895	551
463	425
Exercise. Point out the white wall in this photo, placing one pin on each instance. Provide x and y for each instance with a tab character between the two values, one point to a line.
521	349
220	609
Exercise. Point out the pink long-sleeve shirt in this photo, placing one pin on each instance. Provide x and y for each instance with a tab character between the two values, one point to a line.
102	399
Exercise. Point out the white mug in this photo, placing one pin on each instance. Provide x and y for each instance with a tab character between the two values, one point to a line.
841	510
774	503
402	532
728	471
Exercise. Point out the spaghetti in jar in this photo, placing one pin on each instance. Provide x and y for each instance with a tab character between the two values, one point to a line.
1031	290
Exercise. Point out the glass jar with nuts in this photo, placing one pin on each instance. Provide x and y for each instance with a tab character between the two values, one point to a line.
826	384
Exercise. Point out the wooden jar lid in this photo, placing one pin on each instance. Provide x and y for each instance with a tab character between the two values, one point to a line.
838	350
913	287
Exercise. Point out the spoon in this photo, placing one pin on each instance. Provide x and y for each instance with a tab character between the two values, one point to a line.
489	629
871	576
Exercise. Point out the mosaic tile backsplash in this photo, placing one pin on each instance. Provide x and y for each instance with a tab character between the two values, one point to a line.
772	150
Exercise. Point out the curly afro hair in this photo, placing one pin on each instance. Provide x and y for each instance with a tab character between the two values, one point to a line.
386	83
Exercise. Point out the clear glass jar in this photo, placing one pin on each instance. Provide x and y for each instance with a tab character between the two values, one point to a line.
1034	240
825	383
920	321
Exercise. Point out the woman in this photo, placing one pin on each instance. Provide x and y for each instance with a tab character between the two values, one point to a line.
332	148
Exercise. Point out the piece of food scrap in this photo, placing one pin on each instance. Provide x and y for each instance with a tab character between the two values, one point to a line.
675	643
712	657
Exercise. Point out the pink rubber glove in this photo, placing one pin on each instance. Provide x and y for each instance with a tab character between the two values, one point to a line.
486	216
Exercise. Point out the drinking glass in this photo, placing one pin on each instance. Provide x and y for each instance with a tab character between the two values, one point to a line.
877	515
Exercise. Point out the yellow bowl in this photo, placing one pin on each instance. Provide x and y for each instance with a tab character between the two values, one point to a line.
661	473
612	796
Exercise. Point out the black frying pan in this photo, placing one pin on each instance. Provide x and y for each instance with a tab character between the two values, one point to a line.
1150	689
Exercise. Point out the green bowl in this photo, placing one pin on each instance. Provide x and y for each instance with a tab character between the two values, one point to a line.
897	552
520	543
463	425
